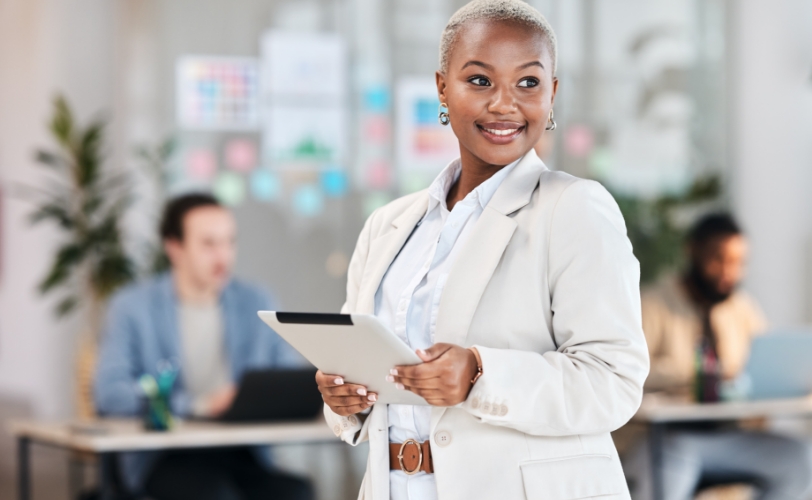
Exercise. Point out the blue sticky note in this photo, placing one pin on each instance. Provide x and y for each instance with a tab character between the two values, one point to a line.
376	99
425	111
265	186
334	183
308	200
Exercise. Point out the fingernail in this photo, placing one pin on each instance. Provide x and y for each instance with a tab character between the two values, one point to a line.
362	391
400	386
390	378
372	397
394	371
369	403
339	381
421	352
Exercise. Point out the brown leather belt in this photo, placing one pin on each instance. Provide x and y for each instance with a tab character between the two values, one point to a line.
411	457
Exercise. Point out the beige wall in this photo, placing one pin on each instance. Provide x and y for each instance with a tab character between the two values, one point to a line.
45	47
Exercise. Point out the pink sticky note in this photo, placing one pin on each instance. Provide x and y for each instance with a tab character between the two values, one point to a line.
578	141
201	164
379	175
241	155
376	129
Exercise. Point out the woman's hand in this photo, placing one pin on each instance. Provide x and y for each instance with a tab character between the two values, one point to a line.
444	378
344	399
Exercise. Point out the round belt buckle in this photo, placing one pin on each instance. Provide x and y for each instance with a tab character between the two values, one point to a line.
419	459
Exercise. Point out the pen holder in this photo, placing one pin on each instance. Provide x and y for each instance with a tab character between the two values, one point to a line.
157	416
157	412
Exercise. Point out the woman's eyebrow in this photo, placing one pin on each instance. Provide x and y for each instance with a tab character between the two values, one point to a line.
531	63
478	63
490	68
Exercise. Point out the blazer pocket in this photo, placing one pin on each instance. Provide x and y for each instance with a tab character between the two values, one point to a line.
570	478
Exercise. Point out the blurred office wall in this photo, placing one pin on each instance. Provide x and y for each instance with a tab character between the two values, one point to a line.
771	125
631	74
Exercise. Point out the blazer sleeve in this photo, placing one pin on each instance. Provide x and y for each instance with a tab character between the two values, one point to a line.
353	429
593	381
115	387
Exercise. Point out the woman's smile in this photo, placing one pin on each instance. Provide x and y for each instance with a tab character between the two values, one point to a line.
500	132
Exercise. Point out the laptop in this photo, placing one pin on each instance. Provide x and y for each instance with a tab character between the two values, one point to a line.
275	395
780	366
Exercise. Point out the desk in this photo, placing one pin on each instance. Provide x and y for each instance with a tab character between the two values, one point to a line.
658	411
108	436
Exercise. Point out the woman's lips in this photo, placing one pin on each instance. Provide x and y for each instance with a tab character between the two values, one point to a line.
500	133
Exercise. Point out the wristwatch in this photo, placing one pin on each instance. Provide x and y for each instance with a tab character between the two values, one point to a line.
478	365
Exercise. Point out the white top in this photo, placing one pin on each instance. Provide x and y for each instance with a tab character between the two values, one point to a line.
409	296
203	352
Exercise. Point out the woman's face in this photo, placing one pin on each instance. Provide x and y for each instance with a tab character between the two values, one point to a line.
499	89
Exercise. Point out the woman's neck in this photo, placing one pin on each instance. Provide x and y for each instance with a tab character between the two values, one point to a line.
473	172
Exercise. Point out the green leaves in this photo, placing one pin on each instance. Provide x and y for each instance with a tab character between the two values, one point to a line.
67	258
87	203
62	122
52	210
654	225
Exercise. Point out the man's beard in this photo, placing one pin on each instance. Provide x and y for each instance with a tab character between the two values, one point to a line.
703	290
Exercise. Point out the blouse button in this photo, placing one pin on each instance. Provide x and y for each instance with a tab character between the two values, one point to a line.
475	403
486	407
503	410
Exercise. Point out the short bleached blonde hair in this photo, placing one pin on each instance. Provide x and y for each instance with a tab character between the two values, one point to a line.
495	10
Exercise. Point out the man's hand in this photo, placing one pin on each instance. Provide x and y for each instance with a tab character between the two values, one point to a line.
220	400
444	378
344	399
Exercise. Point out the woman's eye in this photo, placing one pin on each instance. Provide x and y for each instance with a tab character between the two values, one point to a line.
480	81
528	82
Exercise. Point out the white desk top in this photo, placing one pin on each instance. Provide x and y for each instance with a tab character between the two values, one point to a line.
110	435
658	408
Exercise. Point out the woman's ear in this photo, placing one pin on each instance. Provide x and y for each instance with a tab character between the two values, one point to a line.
555	89
440	78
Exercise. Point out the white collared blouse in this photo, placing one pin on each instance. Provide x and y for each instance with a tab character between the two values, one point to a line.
409	296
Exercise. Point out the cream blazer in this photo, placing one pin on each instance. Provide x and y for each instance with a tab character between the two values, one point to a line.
547	288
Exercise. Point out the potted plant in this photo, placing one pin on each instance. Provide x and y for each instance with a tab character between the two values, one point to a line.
86	202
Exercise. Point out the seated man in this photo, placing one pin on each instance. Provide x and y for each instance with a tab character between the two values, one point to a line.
703	314
201	320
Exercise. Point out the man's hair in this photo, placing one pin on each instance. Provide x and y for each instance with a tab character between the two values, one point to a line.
177	208
496	10
713	226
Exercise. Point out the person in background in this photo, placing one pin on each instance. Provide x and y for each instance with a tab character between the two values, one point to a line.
202	321
699	327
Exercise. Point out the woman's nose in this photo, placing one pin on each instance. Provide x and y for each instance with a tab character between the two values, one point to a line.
503	102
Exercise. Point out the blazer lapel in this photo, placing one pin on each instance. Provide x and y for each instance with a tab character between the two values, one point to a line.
384	249
478	259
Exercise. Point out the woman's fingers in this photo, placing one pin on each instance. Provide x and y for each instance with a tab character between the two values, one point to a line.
326	380
346	411
418	383
345	390
344	399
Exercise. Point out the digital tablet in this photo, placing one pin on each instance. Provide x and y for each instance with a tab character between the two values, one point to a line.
356	346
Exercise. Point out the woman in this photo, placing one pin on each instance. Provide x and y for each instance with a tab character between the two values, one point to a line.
517	287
